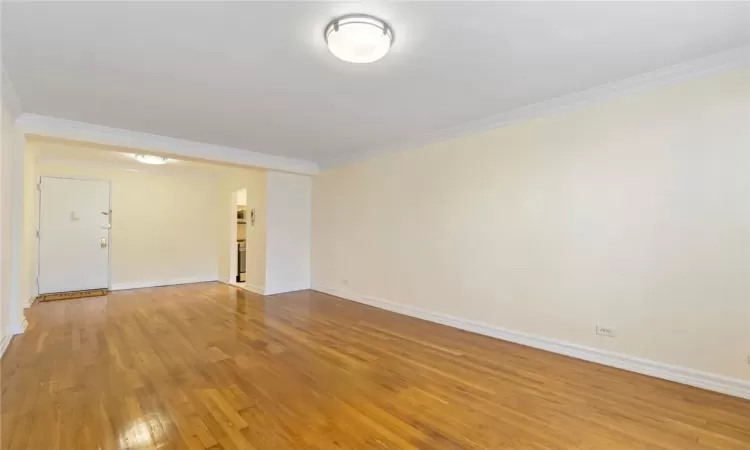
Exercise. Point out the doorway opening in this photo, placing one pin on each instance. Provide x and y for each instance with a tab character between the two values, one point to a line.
238	238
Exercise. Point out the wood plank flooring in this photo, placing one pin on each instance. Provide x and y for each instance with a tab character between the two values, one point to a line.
209	366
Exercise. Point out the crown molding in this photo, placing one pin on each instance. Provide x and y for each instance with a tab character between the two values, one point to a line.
79	131
716	63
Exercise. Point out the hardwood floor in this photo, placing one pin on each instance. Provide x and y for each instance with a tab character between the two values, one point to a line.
209	366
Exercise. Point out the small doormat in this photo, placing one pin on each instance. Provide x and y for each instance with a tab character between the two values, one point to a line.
71	295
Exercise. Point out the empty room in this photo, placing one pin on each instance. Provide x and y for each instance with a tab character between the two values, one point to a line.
376	225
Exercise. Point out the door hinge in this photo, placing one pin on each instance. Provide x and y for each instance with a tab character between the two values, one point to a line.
37	233
39	186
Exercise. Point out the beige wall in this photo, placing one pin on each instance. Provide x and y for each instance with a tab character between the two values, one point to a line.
170	223
163	227
632	214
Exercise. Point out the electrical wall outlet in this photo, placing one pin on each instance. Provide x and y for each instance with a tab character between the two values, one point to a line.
605	331
345	282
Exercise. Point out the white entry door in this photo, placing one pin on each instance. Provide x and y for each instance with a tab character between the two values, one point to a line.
74	217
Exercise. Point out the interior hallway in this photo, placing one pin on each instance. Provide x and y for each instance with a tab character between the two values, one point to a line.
209	366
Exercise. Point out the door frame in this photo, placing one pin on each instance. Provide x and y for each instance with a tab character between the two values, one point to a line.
39	221
233	238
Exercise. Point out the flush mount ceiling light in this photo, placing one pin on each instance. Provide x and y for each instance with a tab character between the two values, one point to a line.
151	159
358	38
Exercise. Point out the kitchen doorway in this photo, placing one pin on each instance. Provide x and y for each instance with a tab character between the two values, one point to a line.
238	238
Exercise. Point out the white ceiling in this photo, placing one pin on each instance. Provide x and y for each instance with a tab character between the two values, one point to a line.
257	75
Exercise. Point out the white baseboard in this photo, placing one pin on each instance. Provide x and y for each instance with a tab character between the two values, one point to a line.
148	284
30	302
286	291
704	380
4	344
18	328
13	330
254	288
246	286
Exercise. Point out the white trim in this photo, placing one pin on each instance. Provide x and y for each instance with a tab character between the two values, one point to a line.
18	328
4	343
14	330
719	62
712	382
245	286
68	129
253	288
172	282
30	302
233	256
37	124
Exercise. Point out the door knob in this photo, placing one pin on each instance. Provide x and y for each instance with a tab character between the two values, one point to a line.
104	242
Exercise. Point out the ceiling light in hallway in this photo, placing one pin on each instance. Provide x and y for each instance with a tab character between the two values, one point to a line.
151	159
359	38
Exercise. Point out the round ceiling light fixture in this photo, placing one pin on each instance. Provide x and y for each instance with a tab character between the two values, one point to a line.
151	159
358	38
